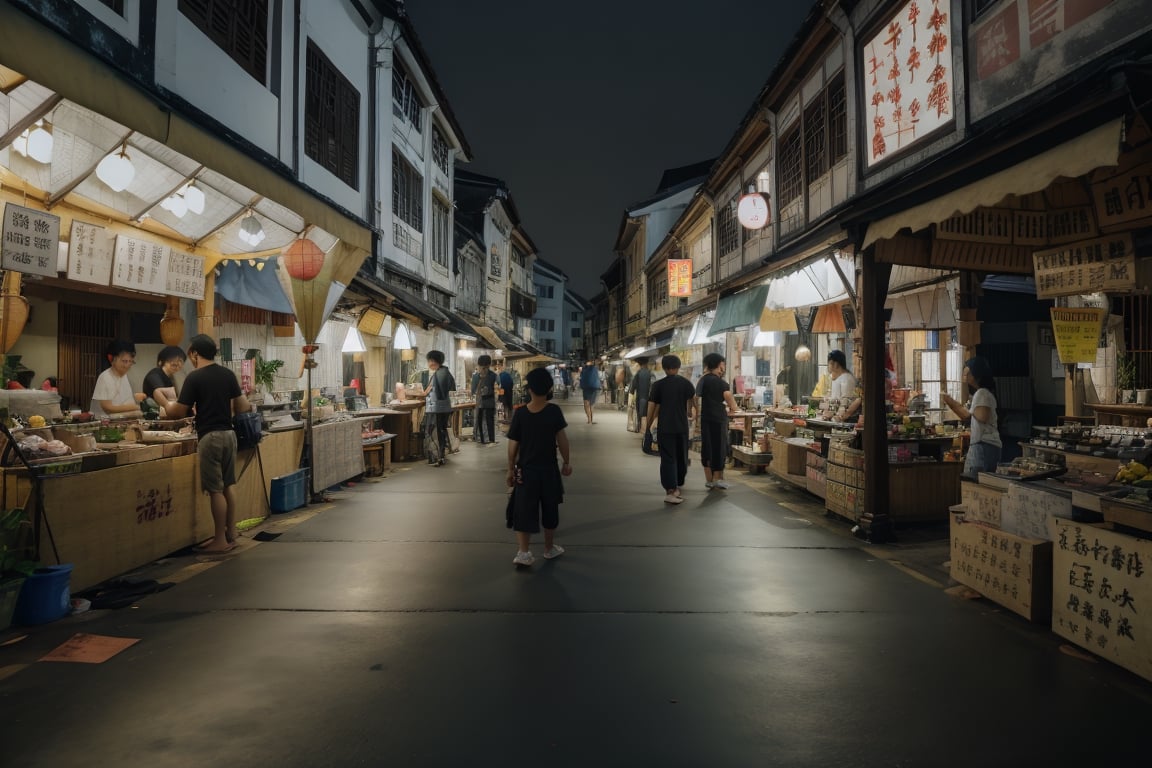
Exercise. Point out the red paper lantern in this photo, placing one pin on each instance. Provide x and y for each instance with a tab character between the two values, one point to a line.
303	259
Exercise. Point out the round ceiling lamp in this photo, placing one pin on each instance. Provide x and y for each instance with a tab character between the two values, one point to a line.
116	170
303	259
40	144
803	353
753	210
194	198
251	231
176	205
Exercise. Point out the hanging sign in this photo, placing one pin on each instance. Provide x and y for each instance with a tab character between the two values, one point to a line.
1121	194
679	277
1077	333
89	254
31	241
140	265
1105	264
1102	593
185	276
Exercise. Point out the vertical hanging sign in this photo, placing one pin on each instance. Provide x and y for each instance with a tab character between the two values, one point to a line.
679	277
31	241
89	254
140	265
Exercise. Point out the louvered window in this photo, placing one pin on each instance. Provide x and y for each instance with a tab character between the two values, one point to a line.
405	101
239	27
331	118
407	192
441	232
439	149
791	181
837	119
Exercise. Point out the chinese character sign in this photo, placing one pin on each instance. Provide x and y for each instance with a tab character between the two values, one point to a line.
31	241
1007	569
140	265
185	275
1077	332
908	78
89	254
1105	264
1101	593
679	277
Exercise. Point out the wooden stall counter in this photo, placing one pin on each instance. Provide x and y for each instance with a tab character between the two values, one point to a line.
110	521
1121	414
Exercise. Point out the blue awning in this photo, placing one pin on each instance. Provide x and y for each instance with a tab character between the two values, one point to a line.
253	285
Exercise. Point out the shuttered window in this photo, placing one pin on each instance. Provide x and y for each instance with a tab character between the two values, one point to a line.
816	138
791	182
239	27
331	118
407	192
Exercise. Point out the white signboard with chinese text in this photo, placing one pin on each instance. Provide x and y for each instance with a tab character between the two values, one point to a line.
1102	593
982	503
185	275
89	254
140	265
31	241
908	78
1027	510
1105	264
1010	570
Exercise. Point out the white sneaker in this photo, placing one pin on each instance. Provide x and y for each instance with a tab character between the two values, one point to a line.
554	552
721	484
709	484
673	499
523	558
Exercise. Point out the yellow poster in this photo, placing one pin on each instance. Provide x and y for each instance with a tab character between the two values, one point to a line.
679	277
1077	333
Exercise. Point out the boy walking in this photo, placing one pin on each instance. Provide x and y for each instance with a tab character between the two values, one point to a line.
537	432
484	386
672	405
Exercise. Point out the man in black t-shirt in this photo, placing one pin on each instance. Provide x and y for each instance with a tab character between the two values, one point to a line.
215	394
672	405
716	403
159	383
641	385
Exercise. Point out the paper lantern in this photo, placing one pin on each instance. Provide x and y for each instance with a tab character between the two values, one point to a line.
303	259
803	353
753	211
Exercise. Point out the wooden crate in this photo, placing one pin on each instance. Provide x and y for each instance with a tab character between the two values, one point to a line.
1009	570
982	503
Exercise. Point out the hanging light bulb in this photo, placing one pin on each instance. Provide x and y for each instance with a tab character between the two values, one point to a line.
251	231
194	197
116	170
176	205
40	144
21	144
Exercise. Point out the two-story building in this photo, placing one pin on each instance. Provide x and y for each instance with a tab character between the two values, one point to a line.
550	284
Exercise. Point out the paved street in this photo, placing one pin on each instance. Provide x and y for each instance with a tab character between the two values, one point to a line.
389	627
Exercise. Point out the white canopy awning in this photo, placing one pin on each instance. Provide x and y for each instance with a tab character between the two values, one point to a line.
815	284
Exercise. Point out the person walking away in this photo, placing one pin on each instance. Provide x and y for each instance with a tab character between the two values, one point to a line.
505	399
984	445
590	387
716	405
536	434
484	385
215	394
439	405
641	385
672	405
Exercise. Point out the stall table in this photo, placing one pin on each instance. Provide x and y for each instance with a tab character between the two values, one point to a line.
1121	414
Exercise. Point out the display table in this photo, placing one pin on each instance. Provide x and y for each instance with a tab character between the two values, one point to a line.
1121	414
107	522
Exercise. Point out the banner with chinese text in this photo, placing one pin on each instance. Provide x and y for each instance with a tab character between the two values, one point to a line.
679	277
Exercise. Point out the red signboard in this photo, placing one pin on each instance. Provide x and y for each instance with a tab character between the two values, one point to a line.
679	277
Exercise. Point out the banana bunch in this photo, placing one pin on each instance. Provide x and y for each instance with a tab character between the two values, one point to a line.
1135	473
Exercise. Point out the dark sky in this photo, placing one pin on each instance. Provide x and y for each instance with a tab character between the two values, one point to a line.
580	107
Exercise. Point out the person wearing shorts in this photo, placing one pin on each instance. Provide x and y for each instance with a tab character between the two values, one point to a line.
716	405
536	435
215	394
590	385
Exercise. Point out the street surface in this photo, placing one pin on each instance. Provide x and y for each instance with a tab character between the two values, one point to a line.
390	628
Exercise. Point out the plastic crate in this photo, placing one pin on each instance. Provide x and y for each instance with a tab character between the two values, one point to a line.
289	492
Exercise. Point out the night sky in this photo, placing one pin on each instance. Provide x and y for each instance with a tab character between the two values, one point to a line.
580	107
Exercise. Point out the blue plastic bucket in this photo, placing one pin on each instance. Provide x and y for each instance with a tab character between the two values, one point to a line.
46	595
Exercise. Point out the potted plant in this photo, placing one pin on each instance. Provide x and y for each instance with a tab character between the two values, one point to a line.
1126	378
264	371
15	563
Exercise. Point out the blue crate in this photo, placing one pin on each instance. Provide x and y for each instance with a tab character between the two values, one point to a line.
289	492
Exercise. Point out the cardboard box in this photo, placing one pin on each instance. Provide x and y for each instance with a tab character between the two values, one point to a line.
982	503
1007	569
135	454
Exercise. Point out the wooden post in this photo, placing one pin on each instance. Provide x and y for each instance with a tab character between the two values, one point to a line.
875	524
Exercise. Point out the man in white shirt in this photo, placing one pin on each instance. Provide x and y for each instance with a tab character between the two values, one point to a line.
113	395
844	386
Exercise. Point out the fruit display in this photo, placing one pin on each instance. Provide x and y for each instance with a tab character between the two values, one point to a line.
1136	474
36	421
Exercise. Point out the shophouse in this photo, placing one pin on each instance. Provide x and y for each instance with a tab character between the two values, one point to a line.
550	285
576	308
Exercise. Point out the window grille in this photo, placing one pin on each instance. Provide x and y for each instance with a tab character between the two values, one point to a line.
837	119
405	101
791	179
441	232
816	139
238	27
439	149
728	228
407	192
331	118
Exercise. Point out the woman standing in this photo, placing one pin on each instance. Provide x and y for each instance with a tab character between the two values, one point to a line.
843	389
984	446
716	405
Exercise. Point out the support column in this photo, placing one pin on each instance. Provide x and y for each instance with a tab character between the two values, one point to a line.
875	524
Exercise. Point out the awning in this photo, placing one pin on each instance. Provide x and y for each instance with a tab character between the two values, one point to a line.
739	309
514	346
491	340
1092	150
42	55
815	284
399	300
242	283
460	327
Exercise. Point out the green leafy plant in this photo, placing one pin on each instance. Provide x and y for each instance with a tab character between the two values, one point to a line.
1125	372
264	371
15	546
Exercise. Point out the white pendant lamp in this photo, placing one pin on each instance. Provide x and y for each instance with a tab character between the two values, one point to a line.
251	231
40	144
176	205
402	339
116	170
194	198
353	342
